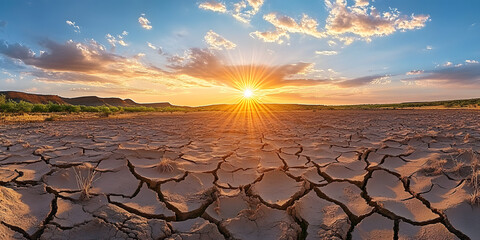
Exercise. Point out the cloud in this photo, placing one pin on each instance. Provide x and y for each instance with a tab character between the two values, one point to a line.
366	22
292	96
306	25
69	77
447	64
144	22
415	72
256	4
205	65
151	46
242	11
361	3
159	49
15	51
218	42
139	55
345	23
428	48
114	41
124	33
87	62
464	75
118	91
32	89
326	53
277	36
70	56
471	61
361	81
75	27
213	6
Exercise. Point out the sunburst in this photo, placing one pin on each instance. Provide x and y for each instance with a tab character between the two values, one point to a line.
248	93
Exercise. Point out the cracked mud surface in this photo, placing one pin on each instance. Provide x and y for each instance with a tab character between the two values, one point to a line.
293	175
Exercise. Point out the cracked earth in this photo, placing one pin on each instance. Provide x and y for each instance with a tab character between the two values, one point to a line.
292	175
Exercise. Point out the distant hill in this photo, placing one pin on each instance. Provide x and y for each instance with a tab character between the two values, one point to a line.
98	101
86	101
32	98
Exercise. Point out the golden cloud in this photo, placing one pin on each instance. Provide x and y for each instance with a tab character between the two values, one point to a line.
218	42
213	6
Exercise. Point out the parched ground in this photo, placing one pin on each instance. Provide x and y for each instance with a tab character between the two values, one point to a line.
406	174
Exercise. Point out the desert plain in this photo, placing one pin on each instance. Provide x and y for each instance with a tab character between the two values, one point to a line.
339	174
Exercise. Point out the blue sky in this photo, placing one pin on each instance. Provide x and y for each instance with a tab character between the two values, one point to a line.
207	52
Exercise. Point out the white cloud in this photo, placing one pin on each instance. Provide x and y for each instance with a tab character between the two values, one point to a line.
151	46
218	42
124	33
277	36
381	80
306	25
447	64
213	6
331	43
428	48
159	49
366	21
144	22
326	53
112	40
139	55
242	11
415	72
361	3
345	23
471	61
8	74
75	27
256	4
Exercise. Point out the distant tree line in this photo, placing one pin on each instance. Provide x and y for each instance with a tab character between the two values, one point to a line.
10	106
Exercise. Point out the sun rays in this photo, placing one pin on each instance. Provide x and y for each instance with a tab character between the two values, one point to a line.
247	93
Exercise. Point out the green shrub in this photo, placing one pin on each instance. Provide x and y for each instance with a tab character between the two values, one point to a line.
8	106
72	108
39	108
89	109
23	106
105	111
3	99
53	107
138	109
114	109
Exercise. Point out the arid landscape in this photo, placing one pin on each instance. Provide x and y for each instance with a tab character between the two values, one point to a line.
331	174
240	120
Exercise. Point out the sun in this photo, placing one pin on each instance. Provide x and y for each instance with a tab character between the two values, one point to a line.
247	93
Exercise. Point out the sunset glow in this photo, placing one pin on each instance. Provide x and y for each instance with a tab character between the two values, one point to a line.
203	52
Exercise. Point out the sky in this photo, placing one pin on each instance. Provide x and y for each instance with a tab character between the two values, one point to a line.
209	52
